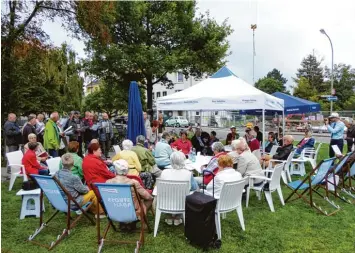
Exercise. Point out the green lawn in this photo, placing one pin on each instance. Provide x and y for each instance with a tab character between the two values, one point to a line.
292	228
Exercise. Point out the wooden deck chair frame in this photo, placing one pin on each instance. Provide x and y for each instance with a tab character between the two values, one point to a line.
143	220
311	189
70	224
348	175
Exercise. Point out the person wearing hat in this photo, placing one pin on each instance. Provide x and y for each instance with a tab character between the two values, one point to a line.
233	135
336	128
29	128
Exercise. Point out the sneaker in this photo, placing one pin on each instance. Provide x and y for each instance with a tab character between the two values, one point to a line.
101	216
78	212
177	222
169	222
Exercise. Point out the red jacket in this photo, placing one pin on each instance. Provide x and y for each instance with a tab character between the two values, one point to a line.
30	162
212	165
254	144
182	146
95	170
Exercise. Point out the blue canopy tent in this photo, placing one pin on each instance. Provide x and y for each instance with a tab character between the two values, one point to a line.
135	125
292	105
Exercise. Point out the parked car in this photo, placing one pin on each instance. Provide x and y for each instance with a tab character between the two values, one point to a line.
177	121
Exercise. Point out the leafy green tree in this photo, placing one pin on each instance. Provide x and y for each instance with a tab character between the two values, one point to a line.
311	70
270	85
344	83
304	89
276	74
146	40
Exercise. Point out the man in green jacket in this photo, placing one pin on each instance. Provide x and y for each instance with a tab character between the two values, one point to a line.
52	135
77	169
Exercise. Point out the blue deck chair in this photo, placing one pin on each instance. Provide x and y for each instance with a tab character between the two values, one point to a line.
117	202
331	179
346	184
314	178
60	199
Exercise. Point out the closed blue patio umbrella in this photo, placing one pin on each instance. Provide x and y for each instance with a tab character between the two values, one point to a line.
135	123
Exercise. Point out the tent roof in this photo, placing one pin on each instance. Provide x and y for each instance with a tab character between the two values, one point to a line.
294	105
222	91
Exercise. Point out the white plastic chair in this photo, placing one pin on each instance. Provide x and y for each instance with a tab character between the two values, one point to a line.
53	165
15	163
311	155
297	165
273	150
230	200
117	149
171	197
274	185
285	174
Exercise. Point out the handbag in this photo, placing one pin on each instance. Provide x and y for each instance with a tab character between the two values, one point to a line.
29	185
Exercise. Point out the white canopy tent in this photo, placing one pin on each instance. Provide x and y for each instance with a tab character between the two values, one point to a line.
223	91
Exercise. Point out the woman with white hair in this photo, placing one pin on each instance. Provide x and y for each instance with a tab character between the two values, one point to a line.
131	158
234	154
177	173
41	153
122	169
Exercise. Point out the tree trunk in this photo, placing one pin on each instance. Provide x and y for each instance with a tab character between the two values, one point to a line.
150	97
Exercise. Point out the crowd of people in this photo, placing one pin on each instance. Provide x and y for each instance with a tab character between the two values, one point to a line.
159	154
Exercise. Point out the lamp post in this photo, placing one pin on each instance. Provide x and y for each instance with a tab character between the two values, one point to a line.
332	75
253	27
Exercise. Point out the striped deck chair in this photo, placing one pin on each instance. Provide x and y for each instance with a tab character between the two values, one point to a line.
346	184
117	201
315	178
60	199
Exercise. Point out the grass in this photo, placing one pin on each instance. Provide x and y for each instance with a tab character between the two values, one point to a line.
294	227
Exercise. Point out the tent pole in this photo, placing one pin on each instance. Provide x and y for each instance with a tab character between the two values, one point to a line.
283	122
263	131
157	113
200	118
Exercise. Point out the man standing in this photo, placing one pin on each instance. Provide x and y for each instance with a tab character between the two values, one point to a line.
233	135
88	123
78	130
105	134
29	128
40	128
146	121
52	135
12	133
336	128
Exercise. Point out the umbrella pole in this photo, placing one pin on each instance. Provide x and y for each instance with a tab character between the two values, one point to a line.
283	122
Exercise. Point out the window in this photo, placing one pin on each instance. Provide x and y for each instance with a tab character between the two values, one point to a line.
216	113
153	95
180	77
197	113
158	94
164	93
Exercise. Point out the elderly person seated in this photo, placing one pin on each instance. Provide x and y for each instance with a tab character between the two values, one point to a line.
131	157
41	153
95	169
225	174
212	166
306	142
177	173
146	159
77	169
122	169
72	183
29	160
271	141
182	144
163	151
253	143
248	164
282	152
234	154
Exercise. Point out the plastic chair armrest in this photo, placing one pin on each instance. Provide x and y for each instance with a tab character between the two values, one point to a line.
258	177
268	171
20	165
275	160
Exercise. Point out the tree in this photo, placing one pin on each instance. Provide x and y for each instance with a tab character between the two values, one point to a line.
304	89
147	40
270	85
344	83
21	28
276	74
311	70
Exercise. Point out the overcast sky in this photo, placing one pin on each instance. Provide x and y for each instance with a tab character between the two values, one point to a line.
287	31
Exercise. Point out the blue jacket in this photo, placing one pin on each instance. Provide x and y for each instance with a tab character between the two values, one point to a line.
308	144
162	153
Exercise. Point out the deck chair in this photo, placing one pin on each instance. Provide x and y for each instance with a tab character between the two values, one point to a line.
346	185
315	178
60	199
117	201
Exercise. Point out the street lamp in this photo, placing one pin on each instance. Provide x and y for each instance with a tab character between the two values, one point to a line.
332	76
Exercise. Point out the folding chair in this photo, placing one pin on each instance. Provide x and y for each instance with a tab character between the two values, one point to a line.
349	175
314	179
60	199
117	201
